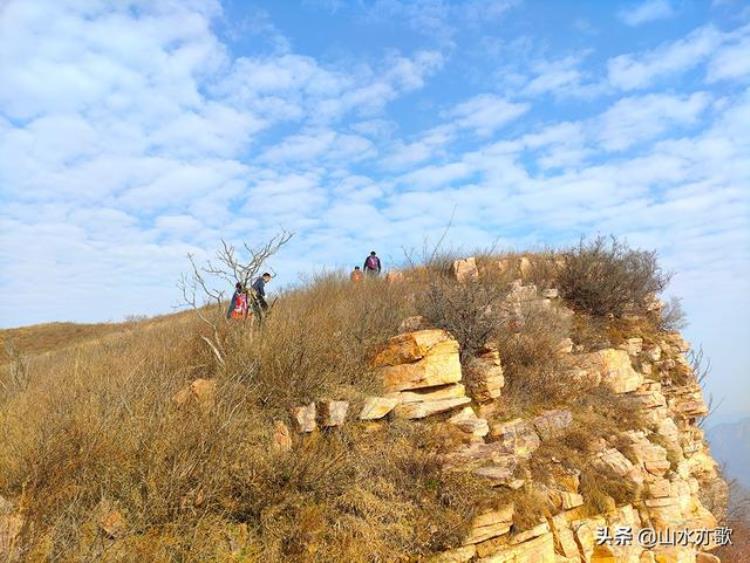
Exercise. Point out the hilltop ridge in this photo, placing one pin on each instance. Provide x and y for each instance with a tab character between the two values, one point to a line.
493	408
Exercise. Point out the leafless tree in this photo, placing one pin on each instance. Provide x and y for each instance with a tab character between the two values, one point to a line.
230	266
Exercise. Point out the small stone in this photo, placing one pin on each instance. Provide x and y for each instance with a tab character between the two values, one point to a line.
466	270
282	437
333	413
113	524
304	418
550	293
565	346
467	421
200	391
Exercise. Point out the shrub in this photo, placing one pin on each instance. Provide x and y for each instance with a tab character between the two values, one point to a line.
672	316
467	310
605	276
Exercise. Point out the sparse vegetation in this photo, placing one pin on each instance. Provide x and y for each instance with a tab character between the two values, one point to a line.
605	276
92	423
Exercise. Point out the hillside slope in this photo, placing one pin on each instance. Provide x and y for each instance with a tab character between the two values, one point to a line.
472	410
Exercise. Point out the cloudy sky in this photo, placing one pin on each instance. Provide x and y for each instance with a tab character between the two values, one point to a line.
132	132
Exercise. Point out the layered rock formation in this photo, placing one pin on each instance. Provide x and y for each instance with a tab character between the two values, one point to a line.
678	488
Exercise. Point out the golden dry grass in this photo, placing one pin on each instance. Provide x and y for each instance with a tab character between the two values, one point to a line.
95	425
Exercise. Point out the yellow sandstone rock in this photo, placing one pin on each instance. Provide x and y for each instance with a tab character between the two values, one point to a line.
439	367
377	407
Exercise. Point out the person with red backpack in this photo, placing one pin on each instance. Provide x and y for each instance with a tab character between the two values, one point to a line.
372	265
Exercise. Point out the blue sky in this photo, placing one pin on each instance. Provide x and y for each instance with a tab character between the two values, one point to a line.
134	132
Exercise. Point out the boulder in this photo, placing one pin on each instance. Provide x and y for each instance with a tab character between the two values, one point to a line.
282	438
377	407
615	369
332	413
466	270
304	418
413	360
426	408
411	346
552	423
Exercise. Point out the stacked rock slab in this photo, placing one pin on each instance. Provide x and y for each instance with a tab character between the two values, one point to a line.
484	375
421	372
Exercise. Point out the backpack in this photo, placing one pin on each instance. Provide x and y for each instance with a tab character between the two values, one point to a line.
372	262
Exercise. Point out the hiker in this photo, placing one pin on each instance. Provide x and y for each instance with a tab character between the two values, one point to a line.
372	264
238	304
356	275
259	292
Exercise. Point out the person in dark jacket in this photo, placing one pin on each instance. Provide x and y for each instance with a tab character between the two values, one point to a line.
259	291
372	265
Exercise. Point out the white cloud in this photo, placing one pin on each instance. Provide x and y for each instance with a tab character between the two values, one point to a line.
629	72
636	119
486	113
648	11
732	62
724	51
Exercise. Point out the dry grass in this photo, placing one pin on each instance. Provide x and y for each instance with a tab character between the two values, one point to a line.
92	423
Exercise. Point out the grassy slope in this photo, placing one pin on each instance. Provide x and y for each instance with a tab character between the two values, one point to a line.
96	427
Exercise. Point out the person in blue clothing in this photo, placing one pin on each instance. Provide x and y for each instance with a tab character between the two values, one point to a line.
372	265
259	293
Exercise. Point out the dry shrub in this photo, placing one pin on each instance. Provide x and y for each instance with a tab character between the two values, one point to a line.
605	276
534	368
672	316
469	311
603	490
545	269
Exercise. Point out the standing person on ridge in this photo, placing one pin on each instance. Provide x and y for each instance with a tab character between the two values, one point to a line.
356	275
259	291
372	265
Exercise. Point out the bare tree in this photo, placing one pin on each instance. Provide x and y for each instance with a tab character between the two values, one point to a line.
230	267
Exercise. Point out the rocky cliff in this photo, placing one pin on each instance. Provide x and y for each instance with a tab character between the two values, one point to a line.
678	496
